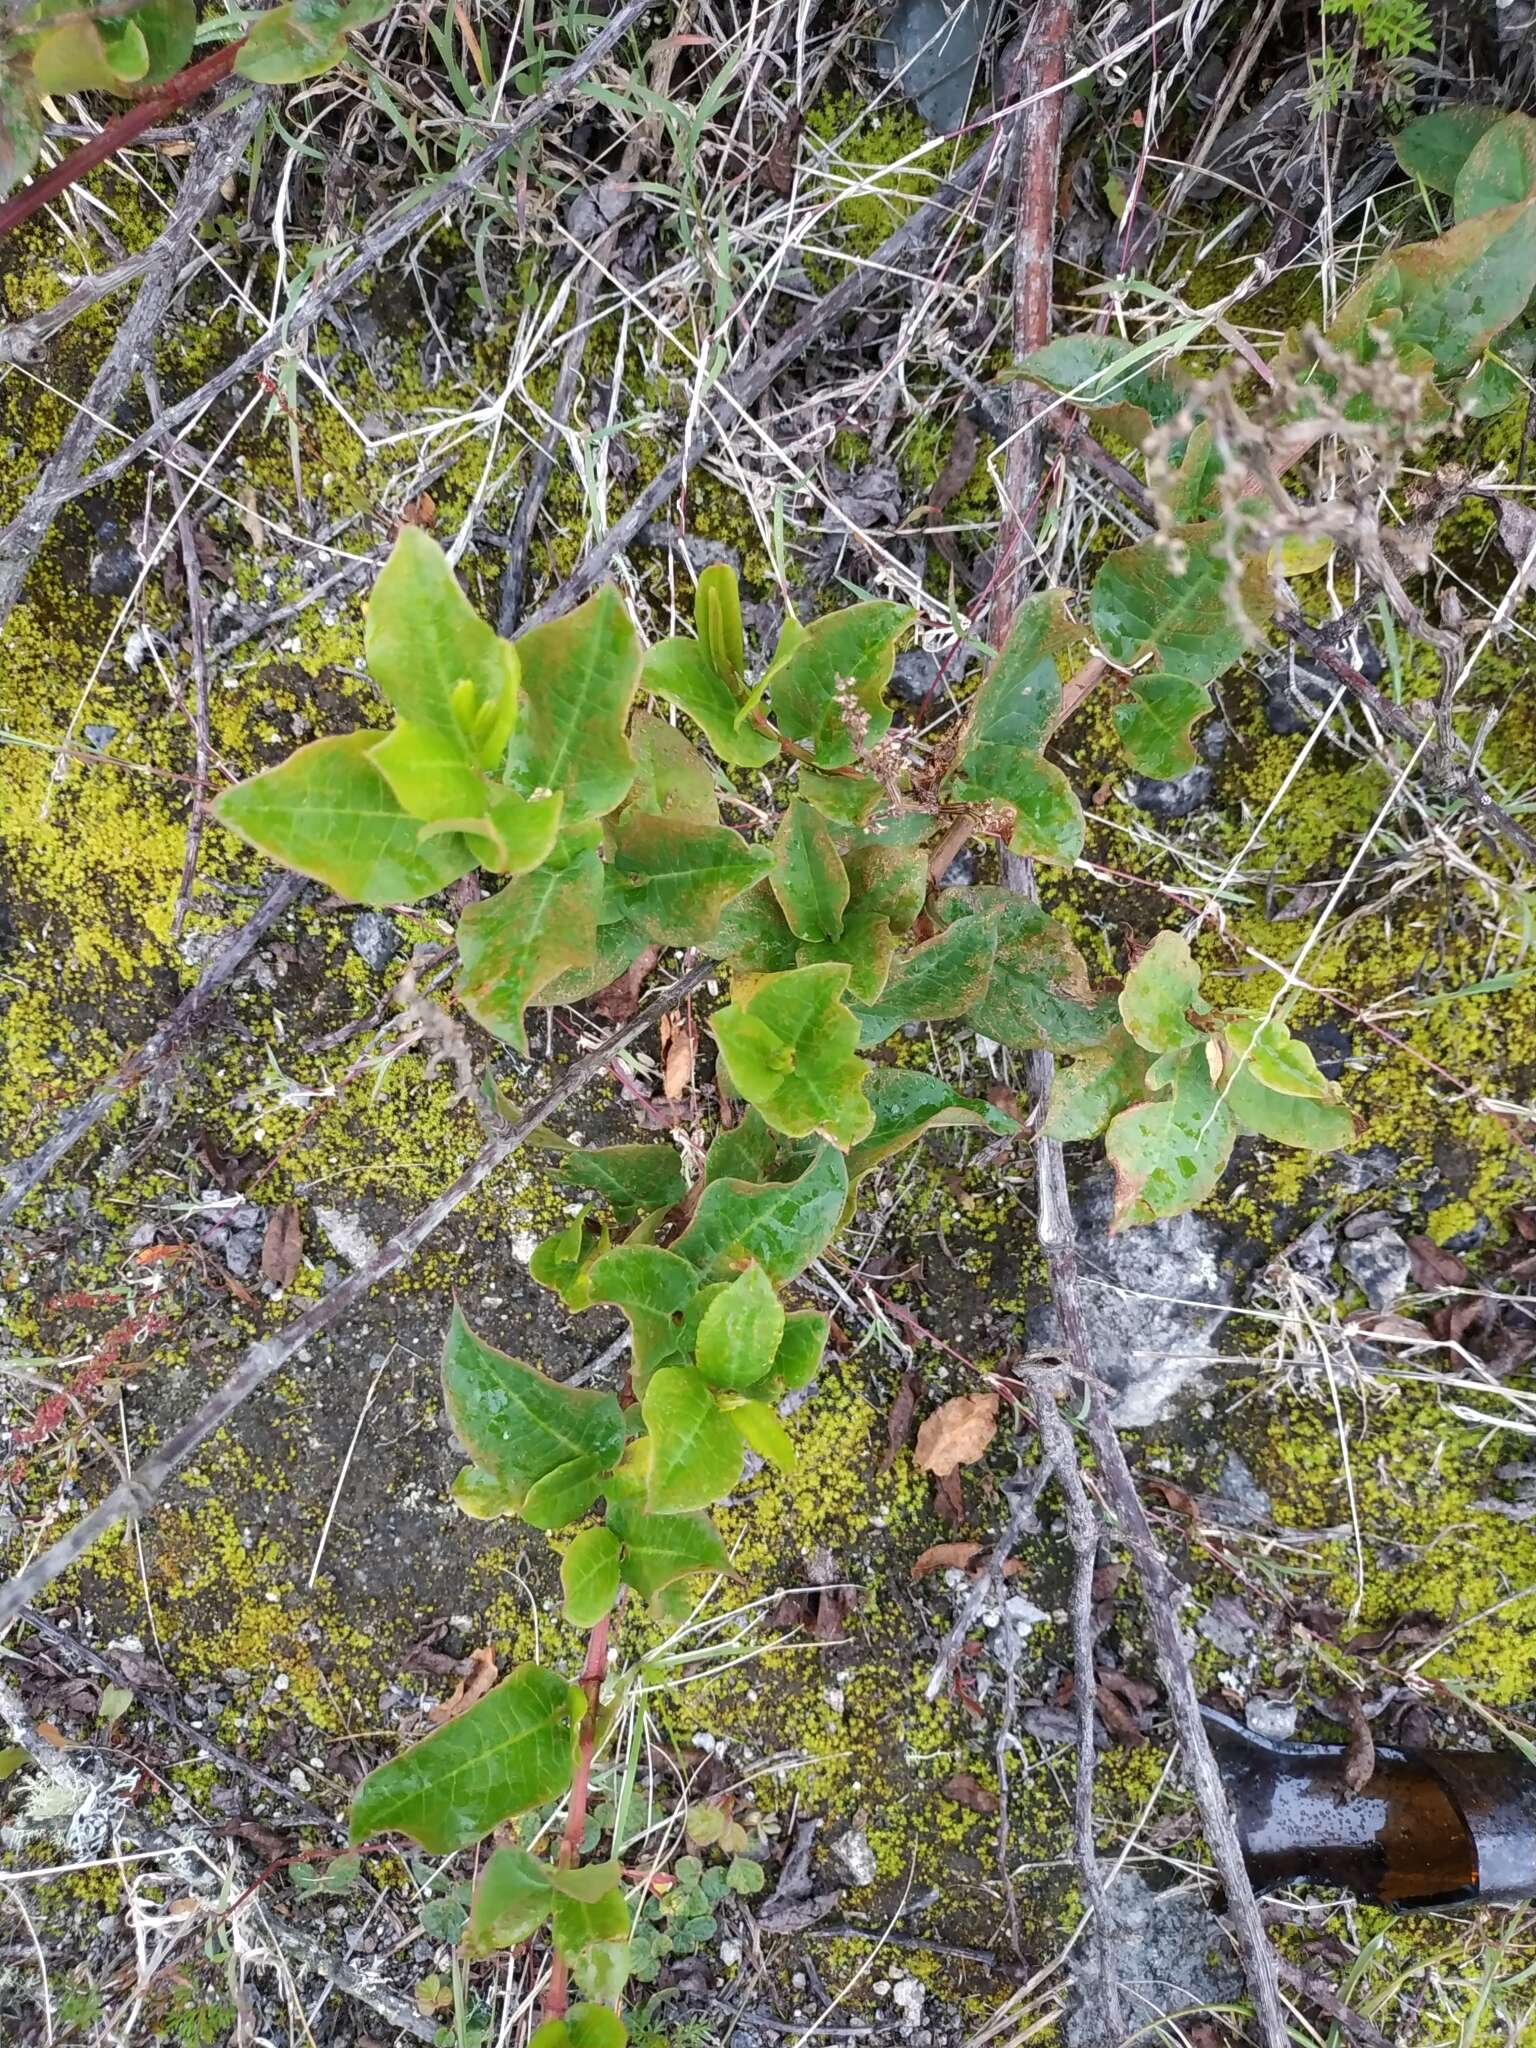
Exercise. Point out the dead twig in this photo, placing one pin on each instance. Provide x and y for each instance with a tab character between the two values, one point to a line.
162	1043
268	1356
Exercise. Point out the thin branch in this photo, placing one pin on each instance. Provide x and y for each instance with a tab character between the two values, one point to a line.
266	1357
167	1039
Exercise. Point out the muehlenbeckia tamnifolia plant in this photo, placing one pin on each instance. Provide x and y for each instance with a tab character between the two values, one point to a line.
548	765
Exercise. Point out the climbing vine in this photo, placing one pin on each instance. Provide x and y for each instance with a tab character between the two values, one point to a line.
547	763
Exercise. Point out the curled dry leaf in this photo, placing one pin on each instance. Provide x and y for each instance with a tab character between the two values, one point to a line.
970	1792
957	1434
1360	1753
468	1691
678	1046
282	1248
898	1424
940	1557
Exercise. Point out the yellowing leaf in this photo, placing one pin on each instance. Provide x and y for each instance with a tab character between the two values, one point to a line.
1160	991
695	1453
790	1043
444	668
808	877
676	875
1168	1154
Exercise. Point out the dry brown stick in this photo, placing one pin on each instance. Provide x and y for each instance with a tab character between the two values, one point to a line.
162	1043
267	1356
220	149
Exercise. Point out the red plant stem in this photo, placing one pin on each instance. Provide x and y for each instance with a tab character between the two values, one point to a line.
163	99
591	1683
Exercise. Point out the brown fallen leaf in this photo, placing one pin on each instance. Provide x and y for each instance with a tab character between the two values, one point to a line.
777	170
282	1248
949	1500
619	1001
1433	1266
898	1424
1106	1582
1360	1751
468	1691
1181	1502
970	1792
1415	1630
678	1046
957	1433
1118	1719
939	1557
959	467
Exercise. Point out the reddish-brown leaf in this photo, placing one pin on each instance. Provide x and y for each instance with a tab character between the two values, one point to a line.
898	1424
282	1248
948	1500
619	1001
939	1557
968	1791
468	1691
1360	1752
1433	1266
957	1433
777	170
1181	1502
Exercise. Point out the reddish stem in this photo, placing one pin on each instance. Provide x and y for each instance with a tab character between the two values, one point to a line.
557	1996
161	100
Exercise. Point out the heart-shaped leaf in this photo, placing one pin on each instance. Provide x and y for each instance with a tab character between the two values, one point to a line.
695	1453
1500	168
1110	376
515	944
790	1043
1435	146
867	948
798	1359
563	1262
1100	1082
1160	991
512	1750
592	1935
1155	722
943	977
654	1288
907	1103
672	778
1271	1083
784	1225
589	1577
1447	300
660	1550
564	1495
512	1901
634	1179
1048	819
740	1331
1038	993
887	881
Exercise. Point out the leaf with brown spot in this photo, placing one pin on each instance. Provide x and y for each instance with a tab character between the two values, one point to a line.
970	1792
957	1433
898	1424
282	1248
469	1691
940	1557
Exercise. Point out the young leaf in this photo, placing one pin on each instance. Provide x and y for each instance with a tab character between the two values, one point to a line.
1160	991
749	1150
695	1453
515	944
654	1288
1500	169
679	671
1039	993
740	1332
1154	724
512	1901
447	672
867	947
169	28
672	778
588	1882
790	1043
1435	146
798	1358
677	875
1106	375
759	1424
717	621
1168	1154
942	978
1272	1085
482	1496
808	877
580	673
784	1225
328	812
512	1750
1101	1081
659	1550
907	1103
634	1178
564	1495
827	681
593	1937
589	1577
81	55
563	1263
514	1422
1179	602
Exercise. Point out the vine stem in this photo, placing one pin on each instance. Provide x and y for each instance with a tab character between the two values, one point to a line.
136	1494
593	1671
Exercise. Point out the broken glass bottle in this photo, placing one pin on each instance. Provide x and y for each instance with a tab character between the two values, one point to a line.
1429	1828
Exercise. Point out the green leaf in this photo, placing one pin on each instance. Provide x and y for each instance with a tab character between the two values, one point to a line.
1154	724
634	1178
1435	146
740	1332
589	1577
790	1043
1161	989
21	126
752	934
672	778
514	945
888	881
867	947
678	875
695	1453
580	674
563	1263
593	1937
1108	376
758	1423
517	1424
660	1550
745	1877
798	1358
1490	389
1019	699
482	1496
1180	603
845	799
595	2026
784	1225
748	1151
654	1288
942	978
1271	1083
1039	994
1454	295
303	39
618	947
808	877
679	671
77	57
588	1882
1101	1081
1168	1155
831	677
717	621
446	671
907	1103
564	1495
512	1901
512	834
1048	819
551	2034
169	28
510	1751
1500	169
328	812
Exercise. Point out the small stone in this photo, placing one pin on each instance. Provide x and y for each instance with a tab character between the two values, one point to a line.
1023	1613
1179	797
100	736
1379	1265
347	1237
114	572
856	1857
913	675
1275	1720
374	938
1227	1624
962	870
909	1997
